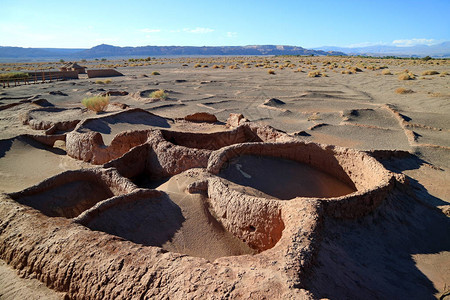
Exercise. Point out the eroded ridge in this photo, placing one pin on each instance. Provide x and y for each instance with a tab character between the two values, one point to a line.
93	233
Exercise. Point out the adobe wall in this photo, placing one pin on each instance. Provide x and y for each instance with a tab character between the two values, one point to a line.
103	73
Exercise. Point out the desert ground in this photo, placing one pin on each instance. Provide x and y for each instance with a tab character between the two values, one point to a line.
400	249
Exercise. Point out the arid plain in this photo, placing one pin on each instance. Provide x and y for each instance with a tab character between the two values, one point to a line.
400	249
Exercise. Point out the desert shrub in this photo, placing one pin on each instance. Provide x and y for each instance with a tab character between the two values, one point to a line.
99	82
403	91
386	72
406	76
355	69
197	65
271	72
108	81
184	65
205	66
444	73
96	103
155	73
159	94
346	72
215	67
430	72
317	74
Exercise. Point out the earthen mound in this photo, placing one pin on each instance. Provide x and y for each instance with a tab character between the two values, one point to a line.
201	117
53	119
274	102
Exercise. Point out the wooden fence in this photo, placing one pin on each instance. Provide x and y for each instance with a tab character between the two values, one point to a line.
40	76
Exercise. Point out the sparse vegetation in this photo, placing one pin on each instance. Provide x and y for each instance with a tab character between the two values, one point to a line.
107	81
406	76
14	75
159	94
96	103
403	91
430	72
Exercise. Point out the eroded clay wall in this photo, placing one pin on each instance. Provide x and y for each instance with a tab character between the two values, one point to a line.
103	73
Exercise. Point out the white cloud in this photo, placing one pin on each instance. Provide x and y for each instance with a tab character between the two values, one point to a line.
200	30
413	42
231	34
148	30
365	44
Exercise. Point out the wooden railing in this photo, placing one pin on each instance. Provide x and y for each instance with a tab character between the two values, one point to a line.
40	77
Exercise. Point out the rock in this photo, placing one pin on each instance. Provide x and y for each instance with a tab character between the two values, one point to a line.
301	133
115	93
58	93
120	105
234	120
42	103
201	117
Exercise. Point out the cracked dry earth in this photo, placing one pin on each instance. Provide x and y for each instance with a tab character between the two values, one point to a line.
344	195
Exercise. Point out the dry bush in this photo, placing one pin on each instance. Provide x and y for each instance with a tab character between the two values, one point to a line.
96	103
403	91
406	76
271	72
346	72
386	72
155	73
430	72
215	67
197	65
314	74
159	94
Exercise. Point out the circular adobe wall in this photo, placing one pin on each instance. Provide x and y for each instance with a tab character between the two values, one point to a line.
355	168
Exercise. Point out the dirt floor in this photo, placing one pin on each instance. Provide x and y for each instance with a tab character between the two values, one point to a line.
364	110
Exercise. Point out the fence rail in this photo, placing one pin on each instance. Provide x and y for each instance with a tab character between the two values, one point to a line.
40	77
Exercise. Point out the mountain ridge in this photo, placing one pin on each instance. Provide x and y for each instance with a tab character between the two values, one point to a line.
437	50
110	51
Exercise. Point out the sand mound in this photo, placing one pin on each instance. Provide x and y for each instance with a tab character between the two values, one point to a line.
274	102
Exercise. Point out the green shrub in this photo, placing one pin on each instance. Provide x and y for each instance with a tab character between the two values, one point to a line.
159	94
96	103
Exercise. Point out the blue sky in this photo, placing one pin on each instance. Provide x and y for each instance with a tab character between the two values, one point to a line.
84	24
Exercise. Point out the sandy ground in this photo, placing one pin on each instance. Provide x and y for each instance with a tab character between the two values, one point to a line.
13	287
360	110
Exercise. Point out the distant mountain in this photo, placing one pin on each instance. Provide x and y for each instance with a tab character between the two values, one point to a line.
113	51
108	51
19	52
438	50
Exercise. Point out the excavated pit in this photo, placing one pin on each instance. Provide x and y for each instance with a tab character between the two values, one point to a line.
71	193
350	183
133	119
281	178
169	218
